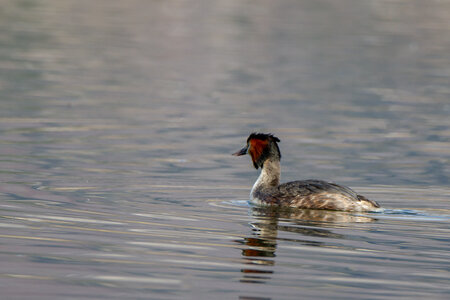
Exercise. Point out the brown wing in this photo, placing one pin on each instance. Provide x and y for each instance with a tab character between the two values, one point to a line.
318	194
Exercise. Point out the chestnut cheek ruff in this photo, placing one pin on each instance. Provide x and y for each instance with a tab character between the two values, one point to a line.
258	151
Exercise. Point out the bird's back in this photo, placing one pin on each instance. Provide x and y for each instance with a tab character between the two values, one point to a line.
318	194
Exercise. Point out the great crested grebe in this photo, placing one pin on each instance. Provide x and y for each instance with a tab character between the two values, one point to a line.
305	194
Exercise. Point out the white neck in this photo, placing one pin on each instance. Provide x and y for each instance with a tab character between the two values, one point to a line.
269	177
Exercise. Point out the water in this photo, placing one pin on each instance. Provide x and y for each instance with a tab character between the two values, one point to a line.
118	118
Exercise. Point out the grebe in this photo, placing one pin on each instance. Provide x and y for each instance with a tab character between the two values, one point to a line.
305	194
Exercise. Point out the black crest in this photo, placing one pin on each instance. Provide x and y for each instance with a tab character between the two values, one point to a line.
263	137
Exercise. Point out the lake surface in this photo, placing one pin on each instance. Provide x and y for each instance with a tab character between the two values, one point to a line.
118	118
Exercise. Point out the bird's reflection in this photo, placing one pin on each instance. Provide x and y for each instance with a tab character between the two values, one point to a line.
261	244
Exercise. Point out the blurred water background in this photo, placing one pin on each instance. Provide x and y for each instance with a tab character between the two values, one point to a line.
118	118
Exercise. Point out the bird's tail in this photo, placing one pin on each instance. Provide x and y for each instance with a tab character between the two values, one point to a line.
374	203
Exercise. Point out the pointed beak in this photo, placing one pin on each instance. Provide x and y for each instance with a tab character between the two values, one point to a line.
243	151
